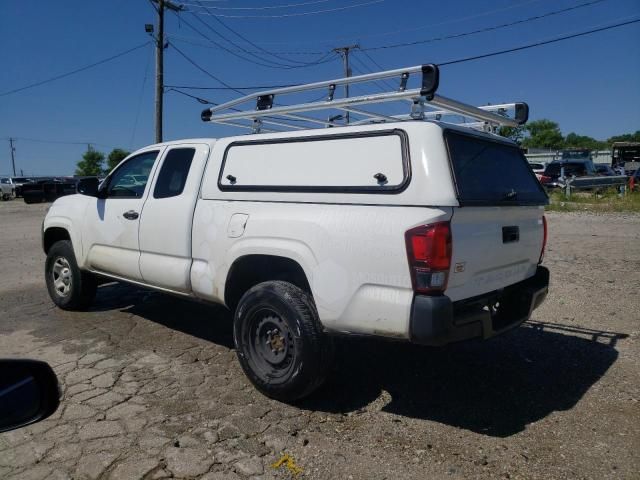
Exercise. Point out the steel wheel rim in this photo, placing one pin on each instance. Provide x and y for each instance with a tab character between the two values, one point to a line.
271	344
62	277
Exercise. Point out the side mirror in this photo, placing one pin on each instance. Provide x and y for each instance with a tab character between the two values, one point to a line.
28	393
88	186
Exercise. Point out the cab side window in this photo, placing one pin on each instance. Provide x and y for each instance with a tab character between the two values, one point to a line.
174	172
130	180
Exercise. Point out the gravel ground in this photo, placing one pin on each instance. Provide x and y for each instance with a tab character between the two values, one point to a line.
152	388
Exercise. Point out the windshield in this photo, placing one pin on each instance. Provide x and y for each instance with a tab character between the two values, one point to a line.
491	172
576	154
579	169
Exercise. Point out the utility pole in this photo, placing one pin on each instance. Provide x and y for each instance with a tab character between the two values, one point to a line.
160	45
13	159
344	52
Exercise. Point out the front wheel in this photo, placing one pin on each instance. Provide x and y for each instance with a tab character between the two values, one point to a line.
69	287
279	341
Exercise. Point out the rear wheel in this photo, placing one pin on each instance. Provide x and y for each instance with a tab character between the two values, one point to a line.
69	287
279	340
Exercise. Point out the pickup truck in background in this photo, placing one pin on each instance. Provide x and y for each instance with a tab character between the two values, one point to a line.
7	189
417	231
626	156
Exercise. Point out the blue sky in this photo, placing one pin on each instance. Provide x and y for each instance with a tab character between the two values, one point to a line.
590	85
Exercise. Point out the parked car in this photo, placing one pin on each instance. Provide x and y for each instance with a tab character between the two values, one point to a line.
48	189
634	181
538	169
301	236
576	154
605	170
19	182
552	176
7	189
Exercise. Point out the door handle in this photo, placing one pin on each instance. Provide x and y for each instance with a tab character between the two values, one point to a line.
131	215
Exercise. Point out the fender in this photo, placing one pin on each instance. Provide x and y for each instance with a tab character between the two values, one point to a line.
67	213
292	249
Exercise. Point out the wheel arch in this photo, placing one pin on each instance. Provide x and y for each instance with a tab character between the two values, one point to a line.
63	223
249	270
52	235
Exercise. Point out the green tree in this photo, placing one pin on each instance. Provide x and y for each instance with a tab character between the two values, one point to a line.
115	157
514	133
91	163
543	134
627	137
573	140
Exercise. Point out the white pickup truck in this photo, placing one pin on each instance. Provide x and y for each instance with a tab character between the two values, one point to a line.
7	188
420	231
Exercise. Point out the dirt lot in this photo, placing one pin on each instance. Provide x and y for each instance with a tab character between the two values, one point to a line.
152	388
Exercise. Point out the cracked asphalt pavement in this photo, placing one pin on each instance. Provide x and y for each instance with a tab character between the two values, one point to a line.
152	388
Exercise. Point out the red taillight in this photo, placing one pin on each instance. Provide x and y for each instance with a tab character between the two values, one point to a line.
429	253
544	238
545	179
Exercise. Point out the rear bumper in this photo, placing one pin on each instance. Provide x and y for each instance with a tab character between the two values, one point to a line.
438	320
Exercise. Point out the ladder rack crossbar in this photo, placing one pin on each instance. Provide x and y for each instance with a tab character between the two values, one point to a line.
322	105
425	104
475	112
318	85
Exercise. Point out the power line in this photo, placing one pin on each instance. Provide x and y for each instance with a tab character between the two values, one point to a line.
269	7
458	35
60	142
445	22
298	14
239	35
223	47
78	70
486	29
219	45
197	42
199	99
449	62
458	19
135	123
383	85
538	44
192	62
275	64
210	44
372	60
259	87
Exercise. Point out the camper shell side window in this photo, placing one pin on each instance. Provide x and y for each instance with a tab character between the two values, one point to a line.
361	162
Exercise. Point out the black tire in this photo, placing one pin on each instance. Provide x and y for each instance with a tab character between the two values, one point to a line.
279	341
69	287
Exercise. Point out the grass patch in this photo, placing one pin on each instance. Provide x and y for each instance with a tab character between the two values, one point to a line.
601	201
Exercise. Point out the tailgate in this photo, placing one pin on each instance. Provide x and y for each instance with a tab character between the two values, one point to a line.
493	247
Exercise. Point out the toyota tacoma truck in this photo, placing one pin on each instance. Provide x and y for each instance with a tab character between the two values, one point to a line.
421	231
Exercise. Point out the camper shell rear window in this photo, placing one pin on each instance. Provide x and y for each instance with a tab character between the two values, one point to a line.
362	162
491	172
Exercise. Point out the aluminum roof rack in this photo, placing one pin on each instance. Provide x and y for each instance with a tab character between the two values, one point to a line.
424	104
